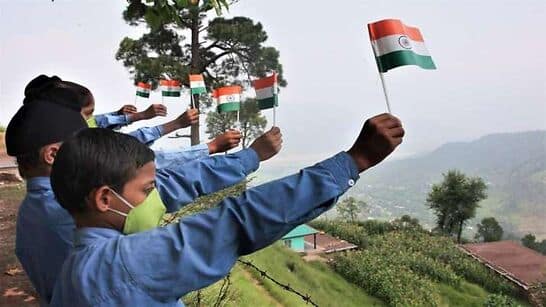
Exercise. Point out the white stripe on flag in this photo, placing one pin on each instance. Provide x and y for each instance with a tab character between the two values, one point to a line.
265	92
398	42
229	98
196	84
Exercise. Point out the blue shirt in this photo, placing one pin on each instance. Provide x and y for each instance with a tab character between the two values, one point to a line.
112	120
45	230
157	267
145	135
171	157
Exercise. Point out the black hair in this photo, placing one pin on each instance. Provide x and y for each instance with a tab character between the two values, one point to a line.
69	94
29	161
94	158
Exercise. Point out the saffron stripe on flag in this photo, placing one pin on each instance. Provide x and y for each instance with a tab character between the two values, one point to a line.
265	82
391	27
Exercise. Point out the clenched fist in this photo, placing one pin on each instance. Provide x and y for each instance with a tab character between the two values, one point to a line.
225	141
378	138
269	144
188	118
154	110
127	109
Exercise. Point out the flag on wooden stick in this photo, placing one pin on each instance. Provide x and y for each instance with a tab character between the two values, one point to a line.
266	92
396	44
228	98
143	89
170	88
197	84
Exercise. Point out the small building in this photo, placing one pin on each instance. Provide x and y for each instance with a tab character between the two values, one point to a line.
295	239
324	243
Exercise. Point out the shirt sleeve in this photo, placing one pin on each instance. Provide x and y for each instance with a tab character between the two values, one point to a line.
112	120
179	185
147	135
172	157
171	261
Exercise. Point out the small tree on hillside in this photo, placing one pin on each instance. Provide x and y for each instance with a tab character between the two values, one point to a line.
252	122
349	208
489	230
454	201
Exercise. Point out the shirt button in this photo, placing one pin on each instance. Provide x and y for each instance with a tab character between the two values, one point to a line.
351	182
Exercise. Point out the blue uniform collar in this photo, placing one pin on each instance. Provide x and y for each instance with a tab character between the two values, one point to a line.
38	183
89	235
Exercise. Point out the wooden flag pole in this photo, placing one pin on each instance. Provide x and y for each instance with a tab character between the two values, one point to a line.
385	92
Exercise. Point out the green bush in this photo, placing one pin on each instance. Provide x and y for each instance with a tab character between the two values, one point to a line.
498	300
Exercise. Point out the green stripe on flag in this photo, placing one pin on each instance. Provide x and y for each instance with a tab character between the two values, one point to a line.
198	90
170	94
403	57
229	107
142	94
268	103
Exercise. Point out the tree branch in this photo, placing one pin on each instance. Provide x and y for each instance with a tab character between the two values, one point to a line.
216	57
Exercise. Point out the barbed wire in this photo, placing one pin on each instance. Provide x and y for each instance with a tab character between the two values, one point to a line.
286	287
222	294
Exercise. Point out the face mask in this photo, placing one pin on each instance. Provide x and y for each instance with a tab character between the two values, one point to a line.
143	217
92	122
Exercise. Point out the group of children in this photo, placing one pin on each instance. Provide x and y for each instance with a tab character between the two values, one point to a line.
87	230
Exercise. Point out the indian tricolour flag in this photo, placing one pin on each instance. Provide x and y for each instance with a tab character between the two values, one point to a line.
395	44
228	98
197	84
170	88
266	92
143	89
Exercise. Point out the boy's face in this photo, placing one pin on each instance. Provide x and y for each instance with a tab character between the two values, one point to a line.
135	192
88	110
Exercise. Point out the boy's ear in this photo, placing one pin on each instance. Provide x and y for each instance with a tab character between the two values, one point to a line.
49	152
102	198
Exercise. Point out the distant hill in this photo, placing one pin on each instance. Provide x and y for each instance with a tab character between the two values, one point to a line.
512	164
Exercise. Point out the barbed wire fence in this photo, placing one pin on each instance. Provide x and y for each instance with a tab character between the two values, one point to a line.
305	297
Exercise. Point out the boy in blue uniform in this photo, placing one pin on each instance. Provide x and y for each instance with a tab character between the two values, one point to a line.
109	266
44	229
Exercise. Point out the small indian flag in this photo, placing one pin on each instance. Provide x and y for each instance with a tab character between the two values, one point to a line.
395	44
228	98
266	92
197	84
170	88
143	89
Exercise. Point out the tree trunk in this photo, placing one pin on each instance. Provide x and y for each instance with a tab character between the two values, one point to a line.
195	68
460	231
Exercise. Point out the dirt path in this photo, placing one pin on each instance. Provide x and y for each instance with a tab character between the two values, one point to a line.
260	288
15	288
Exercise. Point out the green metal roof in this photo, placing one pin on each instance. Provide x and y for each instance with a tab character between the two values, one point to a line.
300	231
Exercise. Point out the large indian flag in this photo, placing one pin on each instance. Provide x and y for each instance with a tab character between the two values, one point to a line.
395	44
266	92
197	84
143	89
228	98
170	88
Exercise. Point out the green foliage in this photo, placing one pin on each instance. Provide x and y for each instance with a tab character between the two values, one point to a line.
455	200
498	300
350	208
2	128
396	256
252	122
529	240
230	50
489	230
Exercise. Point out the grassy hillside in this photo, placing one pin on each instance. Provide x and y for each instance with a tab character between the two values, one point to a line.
404	265
318	280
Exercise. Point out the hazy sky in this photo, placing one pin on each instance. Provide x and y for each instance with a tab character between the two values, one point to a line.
490	55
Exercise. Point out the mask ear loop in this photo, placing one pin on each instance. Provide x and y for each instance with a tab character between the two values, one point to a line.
123	200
